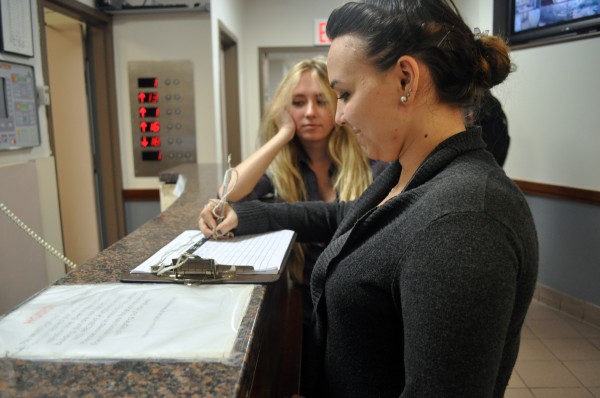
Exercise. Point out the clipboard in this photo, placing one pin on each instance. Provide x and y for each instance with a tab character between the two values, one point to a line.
239	276
236	279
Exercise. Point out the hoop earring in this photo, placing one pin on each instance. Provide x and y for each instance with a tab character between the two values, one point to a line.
405	98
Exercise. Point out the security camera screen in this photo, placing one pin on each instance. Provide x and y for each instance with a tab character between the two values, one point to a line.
532	14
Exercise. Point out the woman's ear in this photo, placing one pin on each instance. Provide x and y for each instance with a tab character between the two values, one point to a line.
407	72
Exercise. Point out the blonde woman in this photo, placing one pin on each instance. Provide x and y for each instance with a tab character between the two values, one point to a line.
302	148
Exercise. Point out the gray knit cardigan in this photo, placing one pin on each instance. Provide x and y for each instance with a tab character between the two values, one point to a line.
425	295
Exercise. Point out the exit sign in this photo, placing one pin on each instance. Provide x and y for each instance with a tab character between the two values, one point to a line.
321	38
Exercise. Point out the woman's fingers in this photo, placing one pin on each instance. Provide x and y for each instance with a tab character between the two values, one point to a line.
217	224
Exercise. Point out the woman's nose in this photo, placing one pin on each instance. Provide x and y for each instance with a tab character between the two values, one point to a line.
339	116
310	108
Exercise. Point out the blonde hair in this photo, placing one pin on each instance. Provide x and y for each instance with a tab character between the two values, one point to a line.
353	173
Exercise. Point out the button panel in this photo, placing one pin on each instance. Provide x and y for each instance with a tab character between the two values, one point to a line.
162	115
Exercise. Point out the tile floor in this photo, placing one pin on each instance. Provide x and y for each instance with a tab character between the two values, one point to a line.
559	357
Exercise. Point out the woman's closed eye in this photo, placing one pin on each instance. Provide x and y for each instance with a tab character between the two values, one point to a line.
344	96
298	103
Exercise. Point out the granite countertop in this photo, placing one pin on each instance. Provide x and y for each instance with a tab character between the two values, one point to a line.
230	378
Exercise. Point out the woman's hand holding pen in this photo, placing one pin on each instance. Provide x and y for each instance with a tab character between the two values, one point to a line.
217	219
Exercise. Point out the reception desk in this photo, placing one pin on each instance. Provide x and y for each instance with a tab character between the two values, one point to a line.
265	359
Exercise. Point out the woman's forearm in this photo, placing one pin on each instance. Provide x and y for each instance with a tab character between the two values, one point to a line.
254	167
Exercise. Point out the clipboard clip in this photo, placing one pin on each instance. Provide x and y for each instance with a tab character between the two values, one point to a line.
193	269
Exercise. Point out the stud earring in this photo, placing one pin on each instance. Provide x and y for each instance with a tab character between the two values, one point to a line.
405	98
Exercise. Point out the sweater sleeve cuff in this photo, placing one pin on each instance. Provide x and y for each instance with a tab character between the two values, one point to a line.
251	217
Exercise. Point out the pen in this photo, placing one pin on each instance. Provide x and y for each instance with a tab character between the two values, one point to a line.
197	245
219	208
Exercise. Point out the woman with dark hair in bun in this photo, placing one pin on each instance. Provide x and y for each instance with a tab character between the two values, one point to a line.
424	285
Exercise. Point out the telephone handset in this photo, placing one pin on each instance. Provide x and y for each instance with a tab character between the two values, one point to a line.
36	237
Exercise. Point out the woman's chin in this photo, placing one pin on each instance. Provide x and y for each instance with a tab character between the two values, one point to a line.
370	153
378	155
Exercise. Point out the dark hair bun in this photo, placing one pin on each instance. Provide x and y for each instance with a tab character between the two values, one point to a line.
494	61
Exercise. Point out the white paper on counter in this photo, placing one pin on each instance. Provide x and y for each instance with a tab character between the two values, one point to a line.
179	186
265	252
126	321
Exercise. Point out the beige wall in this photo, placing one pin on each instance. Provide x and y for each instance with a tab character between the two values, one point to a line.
551	102
22	261
226	14
181	36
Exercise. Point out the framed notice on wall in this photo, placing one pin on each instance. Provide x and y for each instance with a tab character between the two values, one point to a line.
16	33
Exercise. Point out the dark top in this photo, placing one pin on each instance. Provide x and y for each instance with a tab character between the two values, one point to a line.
264	190
494	126
424	296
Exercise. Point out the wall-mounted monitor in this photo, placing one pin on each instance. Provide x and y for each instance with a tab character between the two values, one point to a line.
539	20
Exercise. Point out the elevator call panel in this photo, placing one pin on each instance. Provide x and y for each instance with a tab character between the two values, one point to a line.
19	127
162	115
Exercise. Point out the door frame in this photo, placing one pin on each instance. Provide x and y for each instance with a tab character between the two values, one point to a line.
230	96
303	52
103	111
